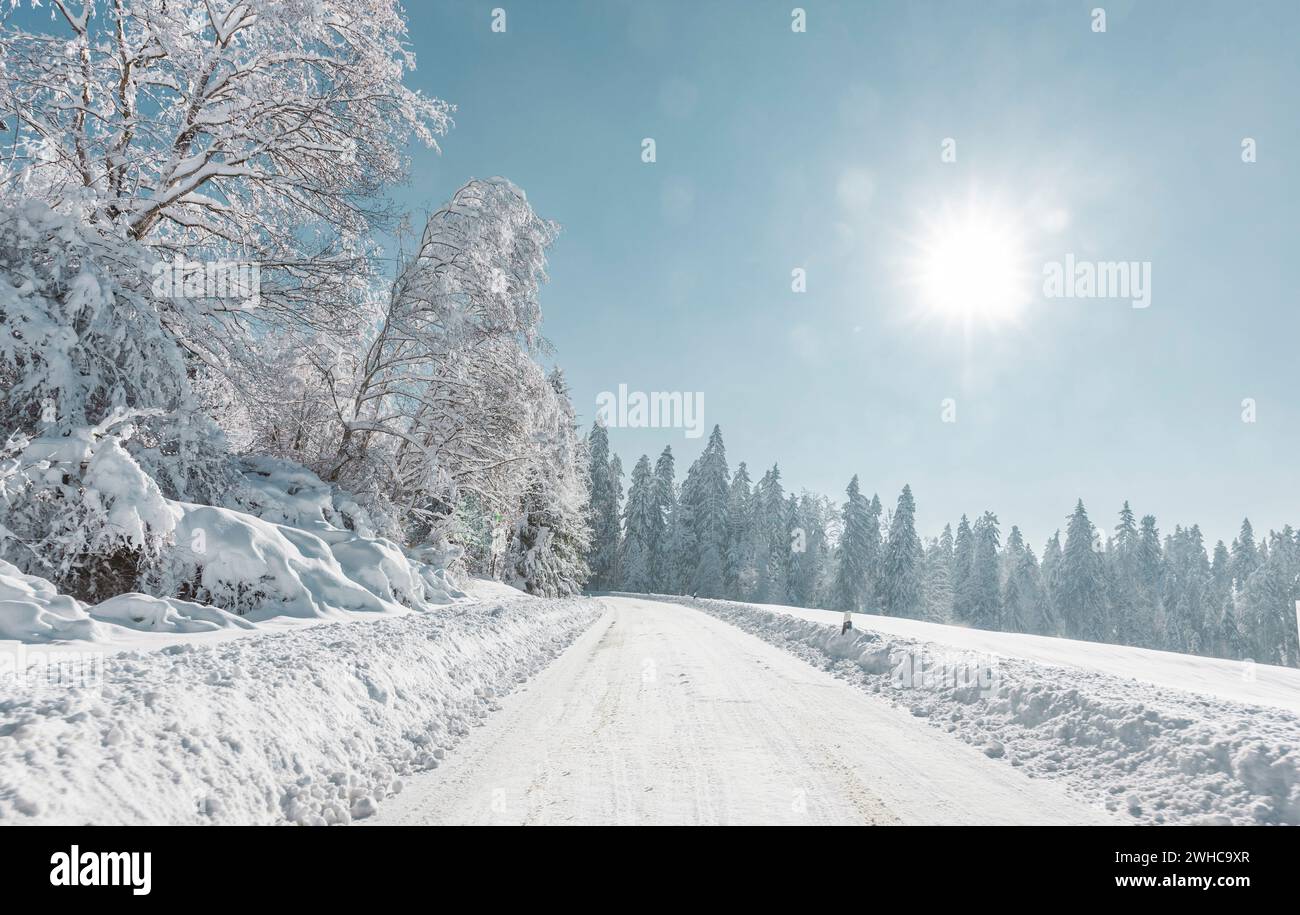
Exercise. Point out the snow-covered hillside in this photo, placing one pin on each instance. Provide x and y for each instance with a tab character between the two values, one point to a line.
312	726
1150	735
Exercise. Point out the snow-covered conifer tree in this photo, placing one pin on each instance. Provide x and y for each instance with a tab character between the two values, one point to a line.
661	555
1081	586
854	554
900	569
938	577
642	524
706	490
740	575
962	563
985	594
605	510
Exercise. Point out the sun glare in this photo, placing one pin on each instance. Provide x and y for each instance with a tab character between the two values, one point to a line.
970	266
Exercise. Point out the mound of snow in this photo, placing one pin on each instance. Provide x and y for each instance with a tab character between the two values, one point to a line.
257	568
1162	756
490	589
253	567
311	726
157	614
225	563
31	610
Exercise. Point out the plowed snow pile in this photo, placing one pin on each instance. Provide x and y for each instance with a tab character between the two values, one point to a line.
1158	755
312	726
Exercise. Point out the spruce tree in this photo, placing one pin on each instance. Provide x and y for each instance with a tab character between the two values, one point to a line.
616	475
739	567
938	578
1245	557
704	496
1081	587
1012	610
641	524
665	499
1188	621
810	564
853	556
985	596
962	561
1149	576
773	545
900	575
1026	604
1122	580
604	507
875	554
1269	602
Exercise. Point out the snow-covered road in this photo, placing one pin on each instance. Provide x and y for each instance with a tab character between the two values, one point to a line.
661	714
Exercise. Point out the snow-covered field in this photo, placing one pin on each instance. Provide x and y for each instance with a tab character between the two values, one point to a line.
1152	736
313	725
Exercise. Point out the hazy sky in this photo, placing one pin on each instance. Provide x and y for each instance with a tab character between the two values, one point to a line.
821	150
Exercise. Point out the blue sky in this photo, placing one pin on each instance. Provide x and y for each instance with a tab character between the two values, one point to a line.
821	150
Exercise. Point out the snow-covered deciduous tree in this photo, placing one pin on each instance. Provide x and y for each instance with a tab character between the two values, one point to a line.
254	131
550	540
99	419
81	338
445	400
78	510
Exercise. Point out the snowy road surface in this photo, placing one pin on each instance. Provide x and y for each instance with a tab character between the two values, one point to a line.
661	714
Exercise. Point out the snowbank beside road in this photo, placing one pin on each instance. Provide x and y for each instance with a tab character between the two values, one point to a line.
1239	681
292	554
1157	755
313	726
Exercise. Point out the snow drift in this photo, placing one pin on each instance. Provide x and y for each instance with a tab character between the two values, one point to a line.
1157	755
215	567
312	726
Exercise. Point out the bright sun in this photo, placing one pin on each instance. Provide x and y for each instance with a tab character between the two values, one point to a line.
970	265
